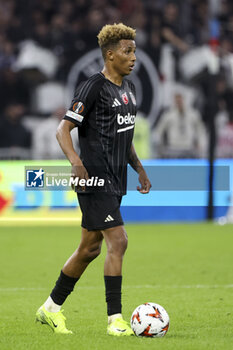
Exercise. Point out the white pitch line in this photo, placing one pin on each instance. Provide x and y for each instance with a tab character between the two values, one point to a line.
147	286
18	289
197	286
38	219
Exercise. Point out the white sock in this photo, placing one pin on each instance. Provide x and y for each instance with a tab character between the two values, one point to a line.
50	306
113	317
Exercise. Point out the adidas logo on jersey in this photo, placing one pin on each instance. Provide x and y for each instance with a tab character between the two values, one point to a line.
116	103
109	218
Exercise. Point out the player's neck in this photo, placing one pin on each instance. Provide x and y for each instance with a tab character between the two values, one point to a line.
113	76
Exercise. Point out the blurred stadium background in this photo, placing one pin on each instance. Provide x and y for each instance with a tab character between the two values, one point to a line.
184	82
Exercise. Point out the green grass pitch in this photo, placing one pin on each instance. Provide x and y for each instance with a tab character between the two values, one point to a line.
187	268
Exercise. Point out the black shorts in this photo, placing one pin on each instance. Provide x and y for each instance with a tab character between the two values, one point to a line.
100	210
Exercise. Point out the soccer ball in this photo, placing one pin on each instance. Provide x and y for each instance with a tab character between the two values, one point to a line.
150	320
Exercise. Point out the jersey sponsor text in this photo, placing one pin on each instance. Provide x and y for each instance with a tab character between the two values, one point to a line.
127	119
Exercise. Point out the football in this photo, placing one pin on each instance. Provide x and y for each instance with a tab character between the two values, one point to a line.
150	320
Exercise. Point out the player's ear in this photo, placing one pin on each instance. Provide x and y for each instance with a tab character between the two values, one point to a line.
109	55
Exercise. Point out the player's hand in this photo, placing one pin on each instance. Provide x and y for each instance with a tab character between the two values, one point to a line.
145	183
79	171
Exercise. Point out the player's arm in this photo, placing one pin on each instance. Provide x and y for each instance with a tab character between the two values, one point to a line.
137	166
65	141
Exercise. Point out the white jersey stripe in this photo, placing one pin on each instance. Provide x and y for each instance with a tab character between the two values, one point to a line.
125	129
74	116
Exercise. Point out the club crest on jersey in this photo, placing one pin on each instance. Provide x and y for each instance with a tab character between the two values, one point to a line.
133	99
78	107
125	98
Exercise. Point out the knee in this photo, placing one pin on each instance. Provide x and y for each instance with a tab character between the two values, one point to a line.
90	253
119	245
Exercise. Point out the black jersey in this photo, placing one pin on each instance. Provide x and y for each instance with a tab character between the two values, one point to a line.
105	115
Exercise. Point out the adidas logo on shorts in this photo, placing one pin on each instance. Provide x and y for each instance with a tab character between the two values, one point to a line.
109	218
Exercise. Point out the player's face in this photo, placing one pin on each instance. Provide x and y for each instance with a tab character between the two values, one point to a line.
123	57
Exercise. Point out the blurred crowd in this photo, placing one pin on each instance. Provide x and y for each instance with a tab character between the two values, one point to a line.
40	40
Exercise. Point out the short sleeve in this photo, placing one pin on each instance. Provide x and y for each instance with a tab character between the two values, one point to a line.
133	94
81	104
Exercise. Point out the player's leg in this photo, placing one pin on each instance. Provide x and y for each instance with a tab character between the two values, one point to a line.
89	248
116	241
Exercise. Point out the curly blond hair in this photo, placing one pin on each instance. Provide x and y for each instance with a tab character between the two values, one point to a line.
110	35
